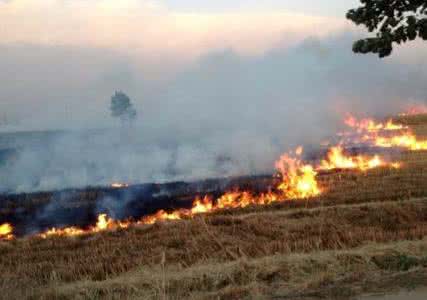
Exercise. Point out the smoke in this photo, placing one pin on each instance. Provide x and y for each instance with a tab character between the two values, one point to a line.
225	114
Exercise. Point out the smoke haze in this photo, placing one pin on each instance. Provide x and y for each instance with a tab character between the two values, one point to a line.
224	105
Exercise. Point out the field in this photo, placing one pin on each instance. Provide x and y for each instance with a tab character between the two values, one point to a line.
366	233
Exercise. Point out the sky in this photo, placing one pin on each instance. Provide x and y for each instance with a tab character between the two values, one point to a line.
90	42
67	54
167	28
315	7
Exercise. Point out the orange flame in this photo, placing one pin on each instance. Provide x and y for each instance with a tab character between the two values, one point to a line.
371	125
406	140
299	180
299	150
6	232
418	109
161	216
202	206
119	185
103	223
338	160
373	133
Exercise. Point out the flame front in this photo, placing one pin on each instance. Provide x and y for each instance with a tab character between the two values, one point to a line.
338	160
407	140
162	216
415	110
6	232
298	179
201	206
119	185
371	125
387	134
103	223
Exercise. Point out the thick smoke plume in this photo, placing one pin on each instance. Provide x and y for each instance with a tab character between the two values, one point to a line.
224	115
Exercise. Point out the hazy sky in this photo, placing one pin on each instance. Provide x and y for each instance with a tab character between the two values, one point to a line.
186	28
70	55
317	7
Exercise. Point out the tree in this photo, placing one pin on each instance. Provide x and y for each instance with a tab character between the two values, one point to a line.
121	107
396	21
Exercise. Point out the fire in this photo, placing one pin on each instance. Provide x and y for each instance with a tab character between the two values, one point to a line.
418	109
299	150
371	125
162	216
338	160
375	133
119	185
68	231
202	206
106	223
6	232
407	140
235	200
103	223
299	180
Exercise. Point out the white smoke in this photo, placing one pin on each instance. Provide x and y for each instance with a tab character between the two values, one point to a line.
226	114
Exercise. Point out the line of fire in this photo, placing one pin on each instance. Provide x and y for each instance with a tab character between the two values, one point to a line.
366	145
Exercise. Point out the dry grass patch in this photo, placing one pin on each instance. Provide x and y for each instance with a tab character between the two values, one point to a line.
327	274
207	241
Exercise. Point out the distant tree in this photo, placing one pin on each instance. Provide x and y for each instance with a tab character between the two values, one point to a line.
396	21
121	107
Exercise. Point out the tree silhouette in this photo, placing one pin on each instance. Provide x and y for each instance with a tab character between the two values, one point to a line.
121	107
396	21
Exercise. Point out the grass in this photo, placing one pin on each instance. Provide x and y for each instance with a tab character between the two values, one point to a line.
181	247
417	122
322	274
367	232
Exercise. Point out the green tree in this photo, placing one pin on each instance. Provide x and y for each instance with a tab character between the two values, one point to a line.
121	107
396	21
